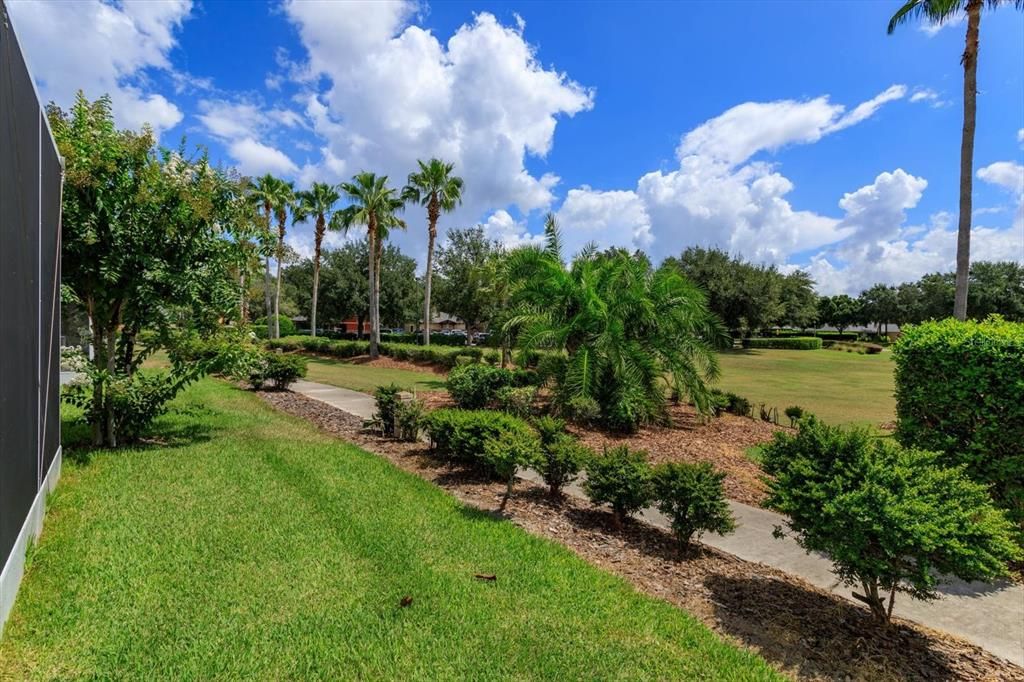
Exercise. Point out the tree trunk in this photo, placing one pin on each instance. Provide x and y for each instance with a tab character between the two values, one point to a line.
320	227
376	285
243	303
277	296
875	602
433	213
266	275
97	342
372	271
963	237
110	434
508	492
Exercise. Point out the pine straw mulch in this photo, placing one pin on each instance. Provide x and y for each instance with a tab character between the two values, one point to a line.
803	631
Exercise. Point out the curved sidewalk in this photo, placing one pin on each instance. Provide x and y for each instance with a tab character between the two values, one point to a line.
991	616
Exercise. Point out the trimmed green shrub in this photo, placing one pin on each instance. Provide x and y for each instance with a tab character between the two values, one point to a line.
620	478
286	325
784	343
692	497
460	435
283	370
409	417
504	456
960	390
476	386
387	400
562	459
890	518
517	401
795	414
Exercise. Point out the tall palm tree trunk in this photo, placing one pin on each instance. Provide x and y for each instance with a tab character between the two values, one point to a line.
372	266
266	276
277	295
320	227
433	212
376	284
963	237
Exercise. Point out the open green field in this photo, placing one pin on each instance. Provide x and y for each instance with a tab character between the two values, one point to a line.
248	545
367	378
839	387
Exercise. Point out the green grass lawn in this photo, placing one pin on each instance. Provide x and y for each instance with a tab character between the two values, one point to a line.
251	546
367	378
839	387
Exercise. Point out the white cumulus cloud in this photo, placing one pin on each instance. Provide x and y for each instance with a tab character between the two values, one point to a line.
103	48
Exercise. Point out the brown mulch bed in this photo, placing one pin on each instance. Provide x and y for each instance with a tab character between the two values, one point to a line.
721	441
384	362
804	631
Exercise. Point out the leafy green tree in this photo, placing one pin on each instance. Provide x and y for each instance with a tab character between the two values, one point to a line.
799	302
316	202
149	242
891	519
690	494
879	304
839	311
746	297
466	277
938	12
630	332
438	190
997	288
374	205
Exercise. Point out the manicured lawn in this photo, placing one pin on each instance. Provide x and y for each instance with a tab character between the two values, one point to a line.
838	387
250	546
367	378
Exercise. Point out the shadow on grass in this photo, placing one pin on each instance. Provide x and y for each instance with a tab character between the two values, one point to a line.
175	432
821	635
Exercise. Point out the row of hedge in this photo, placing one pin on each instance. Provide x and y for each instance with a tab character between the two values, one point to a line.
691	495
784	343
446	356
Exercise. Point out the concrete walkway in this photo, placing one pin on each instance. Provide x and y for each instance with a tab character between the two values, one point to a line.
991	616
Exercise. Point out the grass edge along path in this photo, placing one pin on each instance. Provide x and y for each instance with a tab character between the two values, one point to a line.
251	545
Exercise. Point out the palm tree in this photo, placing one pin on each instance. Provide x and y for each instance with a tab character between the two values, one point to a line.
629	333
438	190
264	195
374	205
284	199
939	11
317	201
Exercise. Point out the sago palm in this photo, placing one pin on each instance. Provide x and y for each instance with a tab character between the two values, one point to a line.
937	12
435	188
317	202
630	333
374	205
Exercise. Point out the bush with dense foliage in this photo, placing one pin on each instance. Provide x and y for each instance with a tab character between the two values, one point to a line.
517	400
460	435
475	386
960	390
446	357
784	343
625	328
280	369
795	414
620	478
287	326
891	519
387	400
504	456
409	417
692	497
562	455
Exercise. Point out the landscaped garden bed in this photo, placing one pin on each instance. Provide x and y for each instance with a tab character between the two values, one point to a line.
804	631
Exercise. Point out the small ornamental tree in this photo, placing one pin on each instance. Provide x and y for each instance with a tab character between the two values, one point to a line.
959	390
691	496
892	519
620	478
504	457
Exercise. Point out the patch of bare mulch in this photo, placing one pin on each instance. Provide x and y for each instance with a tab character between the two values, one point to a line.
387	362
804	631
721	441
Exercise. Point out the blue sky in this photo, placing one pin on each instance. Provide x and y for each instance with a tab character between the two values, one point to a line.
794	133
